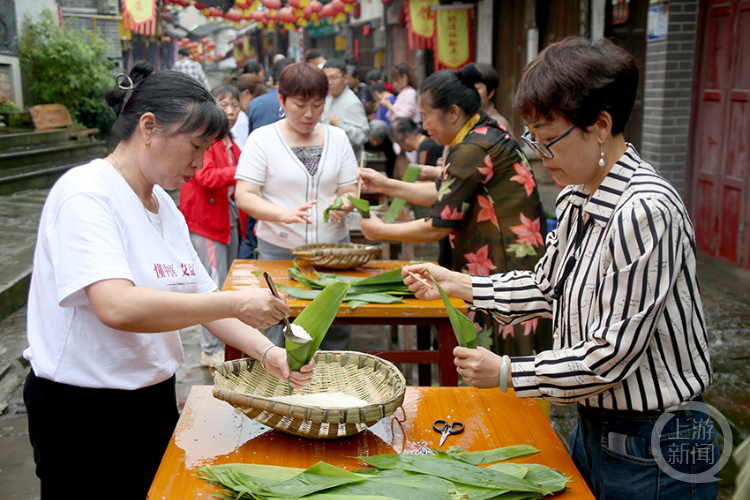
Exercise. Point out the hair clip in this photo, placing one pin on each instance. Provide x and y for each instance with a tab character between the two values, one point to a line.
124	82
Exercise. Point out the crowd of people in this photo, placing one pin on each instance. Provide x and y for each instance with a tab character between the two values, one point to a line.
604	312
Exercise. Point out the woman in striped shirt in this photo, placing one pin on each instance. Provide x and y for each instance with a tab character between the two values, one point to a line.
618	278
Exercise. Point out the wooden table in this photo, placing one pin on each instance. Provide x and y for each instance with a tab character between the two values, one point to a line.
212	432
248	273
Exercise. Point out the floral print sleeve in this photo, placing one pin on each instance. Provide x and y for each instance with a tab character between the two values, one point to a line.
488	196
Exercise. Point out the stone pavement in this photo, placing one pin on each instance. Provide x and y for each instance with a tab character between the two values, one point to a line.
725	290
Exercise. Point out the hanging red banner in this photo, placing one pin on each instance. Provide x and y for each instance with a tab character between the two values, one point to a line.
420	23
140	16
453	37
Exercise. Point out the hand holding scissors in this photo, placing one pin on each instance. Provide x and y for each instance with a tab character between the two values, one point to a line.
446	430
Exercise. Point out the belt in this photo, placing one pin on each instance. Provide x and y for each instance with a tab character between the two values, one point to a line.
607	412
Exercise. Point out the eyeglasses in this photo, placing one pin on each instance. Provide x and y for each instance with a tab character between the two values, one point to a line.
543	148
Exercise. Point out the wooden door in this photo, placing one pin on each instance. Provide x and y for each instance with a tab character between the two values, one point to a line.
722	133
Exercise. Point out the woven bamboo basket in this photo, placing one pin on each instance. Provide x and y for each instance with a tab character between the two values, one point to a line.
336	255
247	386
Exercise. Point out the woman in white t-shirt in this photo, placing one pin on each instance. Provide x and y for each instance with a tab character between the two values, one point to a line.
291	170
115	278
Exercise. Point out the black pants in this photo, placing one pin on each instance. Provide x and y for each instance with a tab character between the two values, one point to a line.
98	443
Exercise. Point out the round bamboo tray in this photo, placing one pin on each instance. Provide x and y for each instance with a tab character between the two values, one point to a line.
336	255
247	386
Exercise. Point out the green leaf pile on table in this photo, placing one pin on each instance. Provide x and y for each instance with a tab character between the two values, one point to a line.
384	288
452	475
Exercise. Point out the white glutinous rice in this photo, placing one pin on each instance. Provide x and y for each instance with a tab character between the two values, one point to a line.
300	332
323	400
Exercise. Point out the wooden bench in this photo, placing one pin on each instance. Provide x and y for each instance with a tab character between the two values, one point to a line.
52	116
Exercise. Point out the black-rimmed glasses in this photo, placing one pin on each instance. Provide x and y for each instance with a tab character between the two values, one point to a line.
543	148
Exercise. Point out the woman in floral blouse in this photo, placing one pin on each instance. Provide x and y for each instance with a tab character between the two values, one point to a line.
487	202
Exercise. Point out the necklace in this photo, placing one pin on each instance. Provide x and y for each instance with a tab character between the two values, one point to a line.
153	196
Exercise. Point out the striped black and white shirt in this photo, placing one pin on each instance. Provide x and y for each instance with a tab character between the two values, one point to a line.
629	327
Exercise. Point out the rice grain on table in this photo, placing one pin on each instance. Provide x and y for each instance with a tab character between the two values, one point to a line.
323	400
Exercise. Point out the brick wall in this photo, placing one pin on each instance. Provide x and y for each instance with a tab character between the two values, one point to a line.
668	92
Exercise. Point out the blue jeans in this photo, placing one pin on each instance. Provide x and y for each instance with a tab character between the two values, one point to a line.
338	336
612	450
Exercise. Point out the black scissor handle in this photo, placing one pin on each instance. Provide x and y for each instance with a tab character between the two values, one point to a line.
454	428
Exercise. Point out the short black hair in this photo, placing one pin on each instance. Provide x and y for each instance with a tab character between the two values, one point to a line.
577	79
447	87
489	76
252	67
379	87
174	98
404	125
336	63
353	70
278	67
185	52
312	54
374	75
225	90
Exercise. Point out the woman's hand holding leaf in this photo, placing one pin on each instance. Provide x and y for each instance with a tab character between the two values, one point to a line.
337	214
478	367
455	284
276	365
259	308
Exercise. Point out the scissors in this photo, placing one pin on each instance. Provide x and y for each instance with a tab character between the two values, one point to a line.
445	429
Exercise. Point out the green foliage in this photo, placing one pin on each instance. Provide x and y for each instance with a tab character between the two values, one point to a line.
69	67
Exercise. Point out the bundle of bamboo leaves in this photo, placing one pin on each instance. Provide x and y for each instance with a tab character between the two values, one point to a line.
384	288
451	475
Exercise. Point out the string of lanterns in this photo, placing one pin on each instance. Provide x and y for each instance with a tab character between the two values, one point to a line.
271	14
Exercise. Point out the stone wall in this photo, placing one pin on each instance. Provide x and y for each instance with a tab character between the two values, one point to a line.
668	94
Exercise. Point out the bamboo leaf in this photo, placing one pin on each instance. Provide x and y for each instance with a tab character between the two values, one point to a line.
547	478
453	470
392	276
464	328
492	456
299	293
410	175
353	304
362	206
337	204
413	487
316	318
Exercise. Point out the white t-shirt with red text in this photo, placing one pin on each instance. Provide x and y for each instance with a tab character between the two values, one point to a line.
93	228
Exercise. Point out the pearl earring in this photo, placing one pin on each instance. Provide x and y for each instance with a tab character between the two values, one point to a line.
601	157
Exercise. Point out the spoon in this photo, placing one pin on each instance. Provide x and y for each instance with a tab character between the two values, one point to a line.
291	337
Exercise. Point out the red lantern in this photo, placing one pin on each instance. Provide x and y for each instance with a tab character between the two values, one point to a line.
241	4
339	6
233	15
315	6
304	19
356	10
328	11
201	6
287	18
272	5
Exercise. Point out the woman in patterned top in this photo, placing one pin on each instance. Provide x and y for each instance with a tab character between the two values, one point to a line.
486	202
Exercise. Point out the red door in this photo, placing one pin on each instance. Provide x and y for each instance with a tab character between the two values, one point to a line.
721	206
